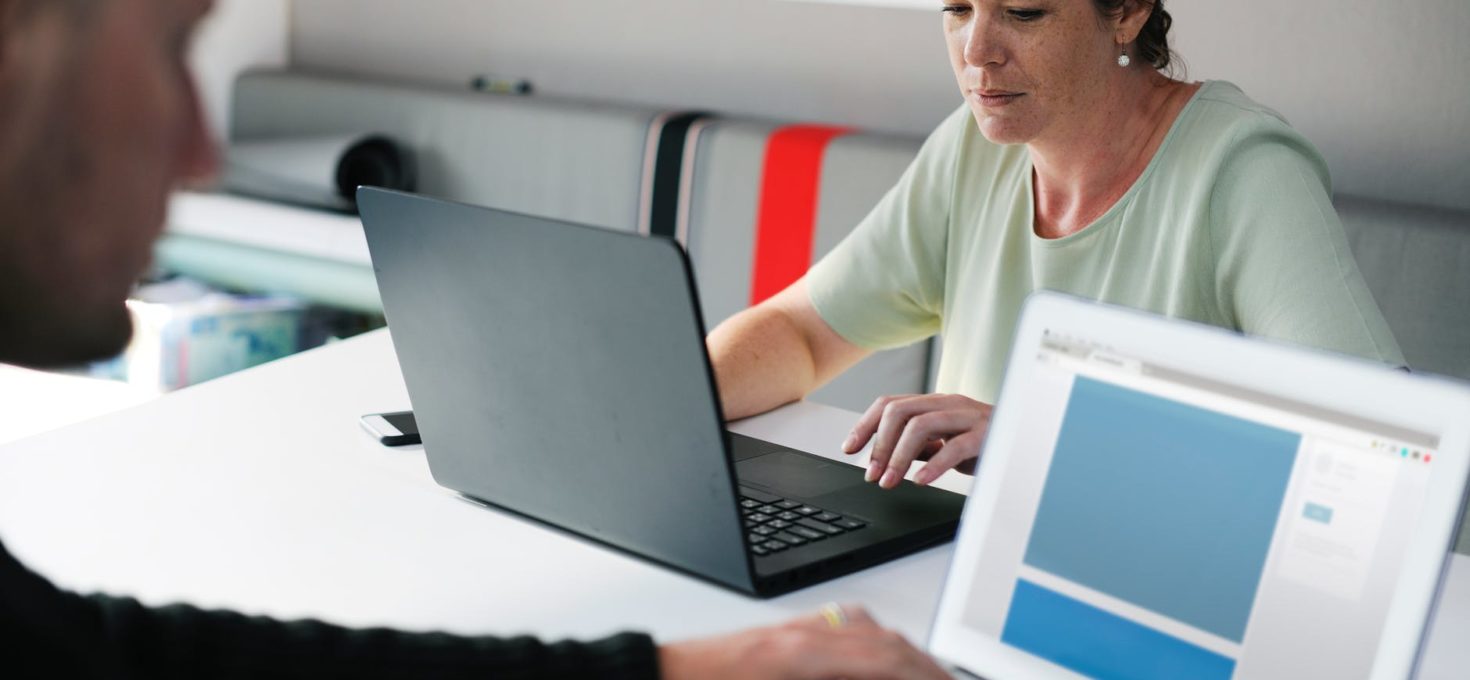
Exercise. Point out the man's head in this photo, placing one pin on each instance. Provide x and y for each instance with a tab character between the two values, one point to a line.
99	120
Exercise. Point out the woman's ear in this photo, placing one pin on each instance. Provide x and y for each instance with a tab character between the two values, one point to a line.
1130	21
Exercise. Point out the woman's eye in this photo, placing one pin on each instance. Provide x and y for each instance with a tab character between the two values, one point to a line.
956	10
1025	14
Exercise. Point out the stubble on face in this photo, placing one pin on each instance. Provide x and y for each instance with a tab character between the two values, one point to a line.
89	122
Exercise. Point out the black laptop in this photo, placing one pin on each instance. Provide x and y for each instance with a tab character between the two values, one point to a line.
559	372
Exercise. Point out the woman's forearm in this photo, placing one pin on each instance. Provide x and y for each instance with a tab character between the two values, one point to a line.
761	361
776	353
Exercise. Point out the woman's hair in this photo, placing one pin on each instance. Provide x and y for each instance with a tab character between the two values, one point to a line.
1153	40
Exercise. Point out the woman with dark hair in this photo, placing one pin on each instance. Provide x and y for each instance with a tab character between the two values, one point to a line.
1079	165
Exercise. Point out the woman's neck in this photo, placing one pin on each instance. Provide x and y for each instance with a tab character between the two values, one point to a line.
1082	171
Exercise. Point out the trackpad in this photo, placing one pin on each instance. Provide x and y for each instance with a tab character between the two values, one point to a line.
797	475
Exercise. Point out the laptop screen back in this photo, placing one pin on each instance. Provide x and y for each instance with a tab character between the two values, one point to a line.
1154	522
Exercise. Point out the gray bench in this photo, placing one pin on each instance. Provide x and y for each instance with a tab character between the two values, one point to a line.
571	160
591	163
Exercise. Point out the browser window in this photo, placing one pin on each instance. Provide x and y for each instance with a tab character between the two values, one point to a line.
1168	525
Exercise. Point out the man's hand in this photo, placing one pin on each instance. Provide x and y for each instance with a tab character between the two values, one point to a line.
947	430
807	648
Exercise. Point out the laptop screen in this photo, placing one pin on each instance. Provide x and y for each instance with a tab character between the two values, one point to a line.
1156	523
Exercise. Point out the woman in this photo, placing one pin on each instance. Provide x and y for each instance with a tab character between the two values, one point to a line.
1077	165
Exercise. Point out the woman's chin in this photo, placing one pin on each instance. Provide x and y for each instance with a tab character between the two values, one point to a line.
1001	129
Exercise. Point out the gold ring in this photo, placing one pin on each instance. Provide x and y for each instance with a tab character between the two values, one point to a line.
834	615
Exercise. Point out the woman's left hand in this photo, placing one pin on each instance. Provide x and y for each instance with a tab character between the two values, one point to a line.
947	430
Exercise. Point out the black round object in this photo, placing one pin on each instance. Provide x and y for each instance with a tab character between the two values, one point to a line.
375	162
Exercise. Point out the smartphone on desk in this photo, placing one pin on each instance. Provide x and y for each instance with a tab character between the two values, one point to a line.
392	429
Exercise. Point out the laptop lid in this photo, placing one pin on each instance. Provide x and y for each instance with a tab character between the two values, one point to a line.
593	330
1163	499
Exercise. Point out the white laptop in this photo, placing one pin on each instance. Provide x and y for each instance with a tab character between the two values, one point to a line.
1160	499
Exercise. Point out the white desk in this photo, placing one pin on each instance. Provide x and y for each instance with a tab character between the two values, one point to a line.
259	492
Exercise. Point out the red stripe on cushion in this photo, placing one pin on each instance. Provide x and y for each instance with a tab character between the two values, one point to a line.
787	215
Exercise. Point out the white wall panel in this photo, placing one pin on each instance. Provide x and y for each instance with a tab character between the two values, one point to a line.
878	68
239	34
1379	86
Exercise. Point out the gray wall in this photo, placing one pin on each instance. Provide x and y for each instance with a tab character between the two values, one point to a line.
1380	87
239	34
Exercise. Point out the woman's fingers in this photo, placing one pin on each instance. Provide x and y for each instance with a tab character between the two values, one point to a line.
907	428
959	453
931	448
895	422
895	417
867	425
918	434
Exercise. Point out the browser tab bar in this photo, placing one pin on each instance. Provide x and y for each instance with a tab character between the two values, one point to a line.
1111	360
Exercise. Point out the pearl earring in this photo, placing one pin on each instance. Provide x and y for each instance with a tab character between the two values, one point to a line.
1123	59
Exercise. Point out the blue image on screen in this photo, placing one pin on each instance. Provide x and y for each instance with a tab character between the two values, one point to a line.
1161	504
1099	644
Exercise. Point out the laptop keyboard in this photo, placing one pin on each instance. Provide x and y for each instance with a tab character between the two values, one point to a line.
774	524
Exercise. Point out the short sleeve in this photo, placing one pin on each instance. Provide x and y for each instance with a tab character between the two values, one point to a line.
883	285
1283	266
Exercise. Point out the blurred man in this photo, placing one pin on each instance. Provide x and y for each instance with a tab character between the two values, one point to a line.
99	120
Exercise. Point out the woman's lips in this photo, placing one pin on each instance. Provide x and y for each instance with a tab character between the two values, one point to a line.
996	98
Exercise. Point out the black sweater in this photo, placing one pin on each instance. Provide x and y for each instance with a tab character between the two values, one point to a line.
48	632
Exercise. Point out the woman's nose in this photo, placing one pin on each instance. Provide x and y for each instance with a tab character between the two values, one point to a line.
982	46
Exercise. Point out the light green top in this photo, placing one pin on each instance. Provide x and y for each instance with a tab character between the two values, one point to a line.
1231	224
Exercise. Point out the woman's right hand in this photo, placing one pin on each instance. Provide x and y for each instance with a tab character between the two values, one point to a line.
808	648
946	430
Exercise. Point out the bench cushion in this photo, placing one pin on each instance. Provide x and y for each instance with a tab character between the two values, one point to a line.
571	160
719	214
1416	261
